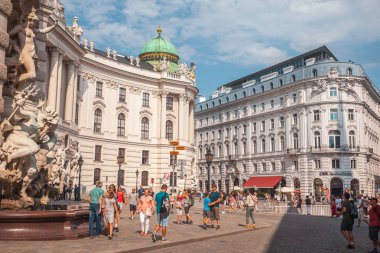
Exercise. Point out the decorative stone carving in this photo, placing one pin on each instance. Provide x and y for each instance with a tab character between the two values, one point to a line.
4	40
192	72
85	43
3	72
108	51
114	54
333	73
112	85
92	46
137	62
58	9
6	7
131	60
74	172
75	28
134	90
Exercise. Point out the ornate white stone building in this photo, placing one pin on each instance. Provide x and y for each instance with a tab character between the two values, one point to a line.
312	121
112	105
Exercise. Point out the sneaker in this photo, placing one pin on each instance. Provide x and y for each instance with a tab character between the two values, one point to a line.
91	237
204	226
253	226
99	236
212	226
109	237
247	226
116	229
154	239
190	222
218	227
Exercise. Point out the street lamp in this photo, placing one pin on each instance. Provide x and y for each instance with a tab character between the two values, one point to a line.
209	157
80	163
120	160
137	177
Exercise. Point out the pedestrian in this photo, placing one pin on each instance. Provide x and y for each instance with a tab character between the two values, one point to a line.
112	188
70	191
338	202
299	206
172	201
111	210
256	200
178	207
76	193
140	191
308	205
333	207
201	196
347	221
215	198
151	192
232	203
188	202
162	203
223	202
374	224
145	210
120	199
95	200
250	206
206	210
359	204
132	199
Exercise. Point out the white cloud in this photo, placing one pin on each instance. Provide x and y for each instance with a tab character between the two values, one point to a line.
244	32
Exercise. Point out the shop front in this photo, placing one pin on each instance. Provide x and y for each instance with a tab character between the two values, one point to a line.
263	184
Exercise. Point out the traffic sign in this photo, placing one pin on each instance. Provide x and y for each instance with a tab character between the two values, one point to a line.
174	143
180	148
174	152
152	180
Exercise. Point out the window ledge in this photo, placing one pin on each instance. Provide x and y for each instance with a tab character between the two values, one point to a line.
145	165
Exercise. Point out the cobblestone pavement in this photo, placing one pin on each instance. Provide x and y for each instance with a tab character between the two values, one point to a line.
274	233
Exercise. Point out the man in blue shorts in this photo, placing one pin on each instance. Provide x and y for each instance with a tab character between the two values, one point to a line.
162	202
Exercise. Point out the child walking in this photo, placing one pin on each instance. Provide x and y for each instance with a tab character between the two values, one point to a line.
206	210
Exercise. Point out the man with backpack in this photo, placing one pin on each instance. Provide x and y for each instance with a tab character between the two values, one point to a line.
374	224
162	203
348	211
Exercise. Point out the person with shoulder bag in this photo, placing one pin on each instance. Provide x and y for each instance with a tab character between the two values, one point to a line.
145	209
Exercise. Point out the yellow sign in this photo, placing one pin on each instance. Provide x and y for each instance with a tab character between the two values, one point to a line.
174	152
180	148
174	143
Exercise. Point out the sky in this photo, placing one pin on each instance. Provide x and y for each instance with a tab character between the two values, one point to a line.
228	39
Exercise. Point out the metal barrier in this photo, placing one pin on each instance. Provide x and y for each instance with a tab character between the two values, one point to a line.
317	210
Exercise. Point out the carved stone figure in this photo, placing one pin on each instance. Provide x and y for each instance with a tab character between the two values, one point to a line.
131	60
137	62
91	46
75	28
114	54
192	72
108	51
25	37
74	172
85	43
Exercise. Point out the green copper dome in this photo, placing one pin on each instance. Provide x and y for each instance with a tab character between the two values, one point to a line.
158	49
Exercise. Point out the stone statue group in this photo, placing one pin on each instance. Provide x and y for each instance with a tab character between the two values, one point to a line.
29	168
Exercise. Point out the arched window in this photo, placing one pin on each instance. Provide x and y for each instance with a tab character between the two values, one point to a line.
317	140
244	94
98	121
220	102
206	106
120	177
315	73
244	148
144	178
253	91
200	107
145	128
213	104
236	149
334	139
121	125
227	149
282	143
281	82
254	144
227	99
349	71
295	140
235	96
351	139
220	153
262	145
262	88
271	86
96	175
169	130
272	144
293	78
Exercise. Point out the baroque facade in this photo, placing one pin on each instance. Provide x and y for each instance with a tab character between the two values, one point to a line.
111	105
311	120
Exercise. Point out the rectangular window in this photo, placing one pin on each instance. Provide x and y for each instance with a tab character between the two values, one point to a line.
122	94
333	92
272	124
145	101
99	89
254	127
351	114
262	106
245	111
282	166
281	101
255	167
169	103
227	133
353	164
316	115
294	97
236	113
212	135
273	166
206	121
296	165
228	115
272	104
244	129
264	167
295	119
263	125
254	108
145	157
282	121
219	133
335	163
200	137
98	153
333	114
220	117
121	153
317	164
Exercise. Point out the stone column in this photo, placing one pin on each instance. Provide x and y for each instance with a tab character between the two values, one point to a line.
180	117
163	115
59	85
69	104
52	90
186	121
73	111
191	124
5	12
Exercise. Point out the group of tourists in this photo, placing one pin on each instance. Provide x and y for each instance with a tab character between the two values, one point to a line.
67	193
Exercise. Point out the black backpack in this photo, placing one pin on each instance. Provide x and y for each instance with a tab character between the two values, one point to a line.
165	205
354	210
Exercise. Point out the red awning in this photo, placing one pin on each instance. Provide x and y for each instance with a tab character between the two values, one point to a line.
262	182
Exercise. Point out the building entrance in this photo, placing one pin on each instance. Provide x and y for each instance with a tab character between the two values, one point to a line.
336	187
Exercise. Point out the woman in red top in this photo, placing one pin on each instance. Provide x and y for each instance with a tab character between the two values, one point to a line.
120	198
333	207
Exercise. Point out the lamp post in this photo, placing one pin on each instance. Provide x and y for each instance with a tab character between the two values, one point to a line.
120	160
209	157
137	177
80	163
